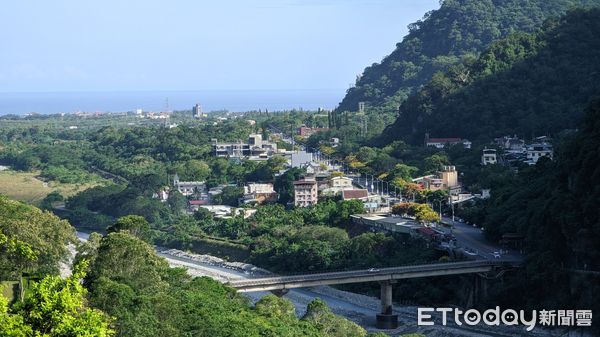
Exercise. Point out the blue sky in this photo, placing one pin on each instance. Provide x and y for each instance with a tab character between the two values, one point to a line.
108	45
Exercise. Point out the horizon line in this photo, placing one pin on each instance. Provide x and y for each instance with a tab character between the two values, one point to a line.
168	90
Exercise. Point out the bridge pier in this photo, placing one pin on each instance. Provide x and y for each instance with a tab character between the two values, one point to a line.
478	292
280	292
484	287
386	319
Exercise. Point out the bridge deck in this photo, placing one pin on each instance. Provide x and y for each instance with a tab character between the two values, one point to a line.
368	275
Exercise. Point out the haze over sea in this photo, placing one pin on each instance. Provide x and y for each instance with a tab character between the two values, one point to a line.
210	100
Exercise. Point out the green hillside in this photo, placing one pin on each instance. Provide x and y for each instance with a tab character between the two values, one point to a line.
458	29
528	84
554	205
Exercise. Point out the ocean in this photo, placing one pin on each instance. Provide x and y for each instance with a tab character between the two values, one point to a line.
210	100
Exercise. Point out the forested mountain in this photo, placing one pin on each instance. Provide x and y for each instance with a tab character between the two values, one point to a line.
527	84
444	37
554	205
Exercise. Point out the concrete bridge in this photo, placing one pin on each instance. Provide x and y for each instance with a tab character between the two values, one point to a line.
385	276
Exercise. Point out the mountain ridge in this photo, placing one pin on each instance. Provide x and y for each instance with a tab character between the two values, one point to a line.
444	37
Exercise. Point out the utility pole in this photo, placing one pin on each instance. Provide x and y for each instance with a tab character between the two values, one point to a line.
452	206
168	115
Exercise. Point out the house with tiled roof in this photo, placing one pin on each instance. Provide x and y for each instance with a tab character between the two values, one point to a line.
441	143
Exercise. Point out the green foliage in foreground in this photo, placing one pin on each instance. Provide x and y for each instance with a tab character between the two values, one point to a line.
329	324
31	240
54	307
137	289
147	298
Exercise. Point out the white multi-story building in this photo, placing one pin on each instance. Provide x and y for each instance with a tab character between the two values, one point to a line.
489	157
197	111
255	148
259	193
537	151
305	192
188	188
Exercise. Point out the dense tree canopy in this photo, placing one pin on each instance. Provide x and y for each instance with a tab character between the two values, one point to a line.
31	240
527	84
132	284
554	206
444	37
54	307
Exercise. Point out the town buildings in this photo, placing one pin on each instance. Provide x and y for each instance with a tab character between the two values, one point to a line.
511	144
312	167
441	143
371	202
226	212
538	150
188	188
489	157
517	151
447	179
300	158
355	194
254	149
197	111
334	142
259	193
340	182
305	131
305	192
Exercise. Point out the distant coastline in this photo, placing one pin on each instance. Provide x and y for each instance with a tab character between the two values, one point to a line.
21	103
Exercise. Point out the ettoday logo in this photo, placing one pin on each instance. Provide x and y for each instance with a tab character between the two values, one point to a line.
508	317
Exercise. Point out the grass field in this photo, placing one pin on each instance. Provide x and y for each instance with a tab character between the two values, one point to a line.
25	186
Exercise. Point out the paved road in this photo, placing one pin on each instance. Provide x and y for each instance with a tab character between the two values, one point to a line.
473	238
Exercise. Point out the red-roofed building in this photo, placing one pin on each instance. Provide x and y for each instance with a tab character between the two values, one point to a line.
361	194
441	143
195	204
305	131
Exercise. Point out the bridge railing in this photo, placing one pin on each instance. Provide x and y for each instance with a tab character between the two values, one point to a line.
362	268
313	272
362	272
